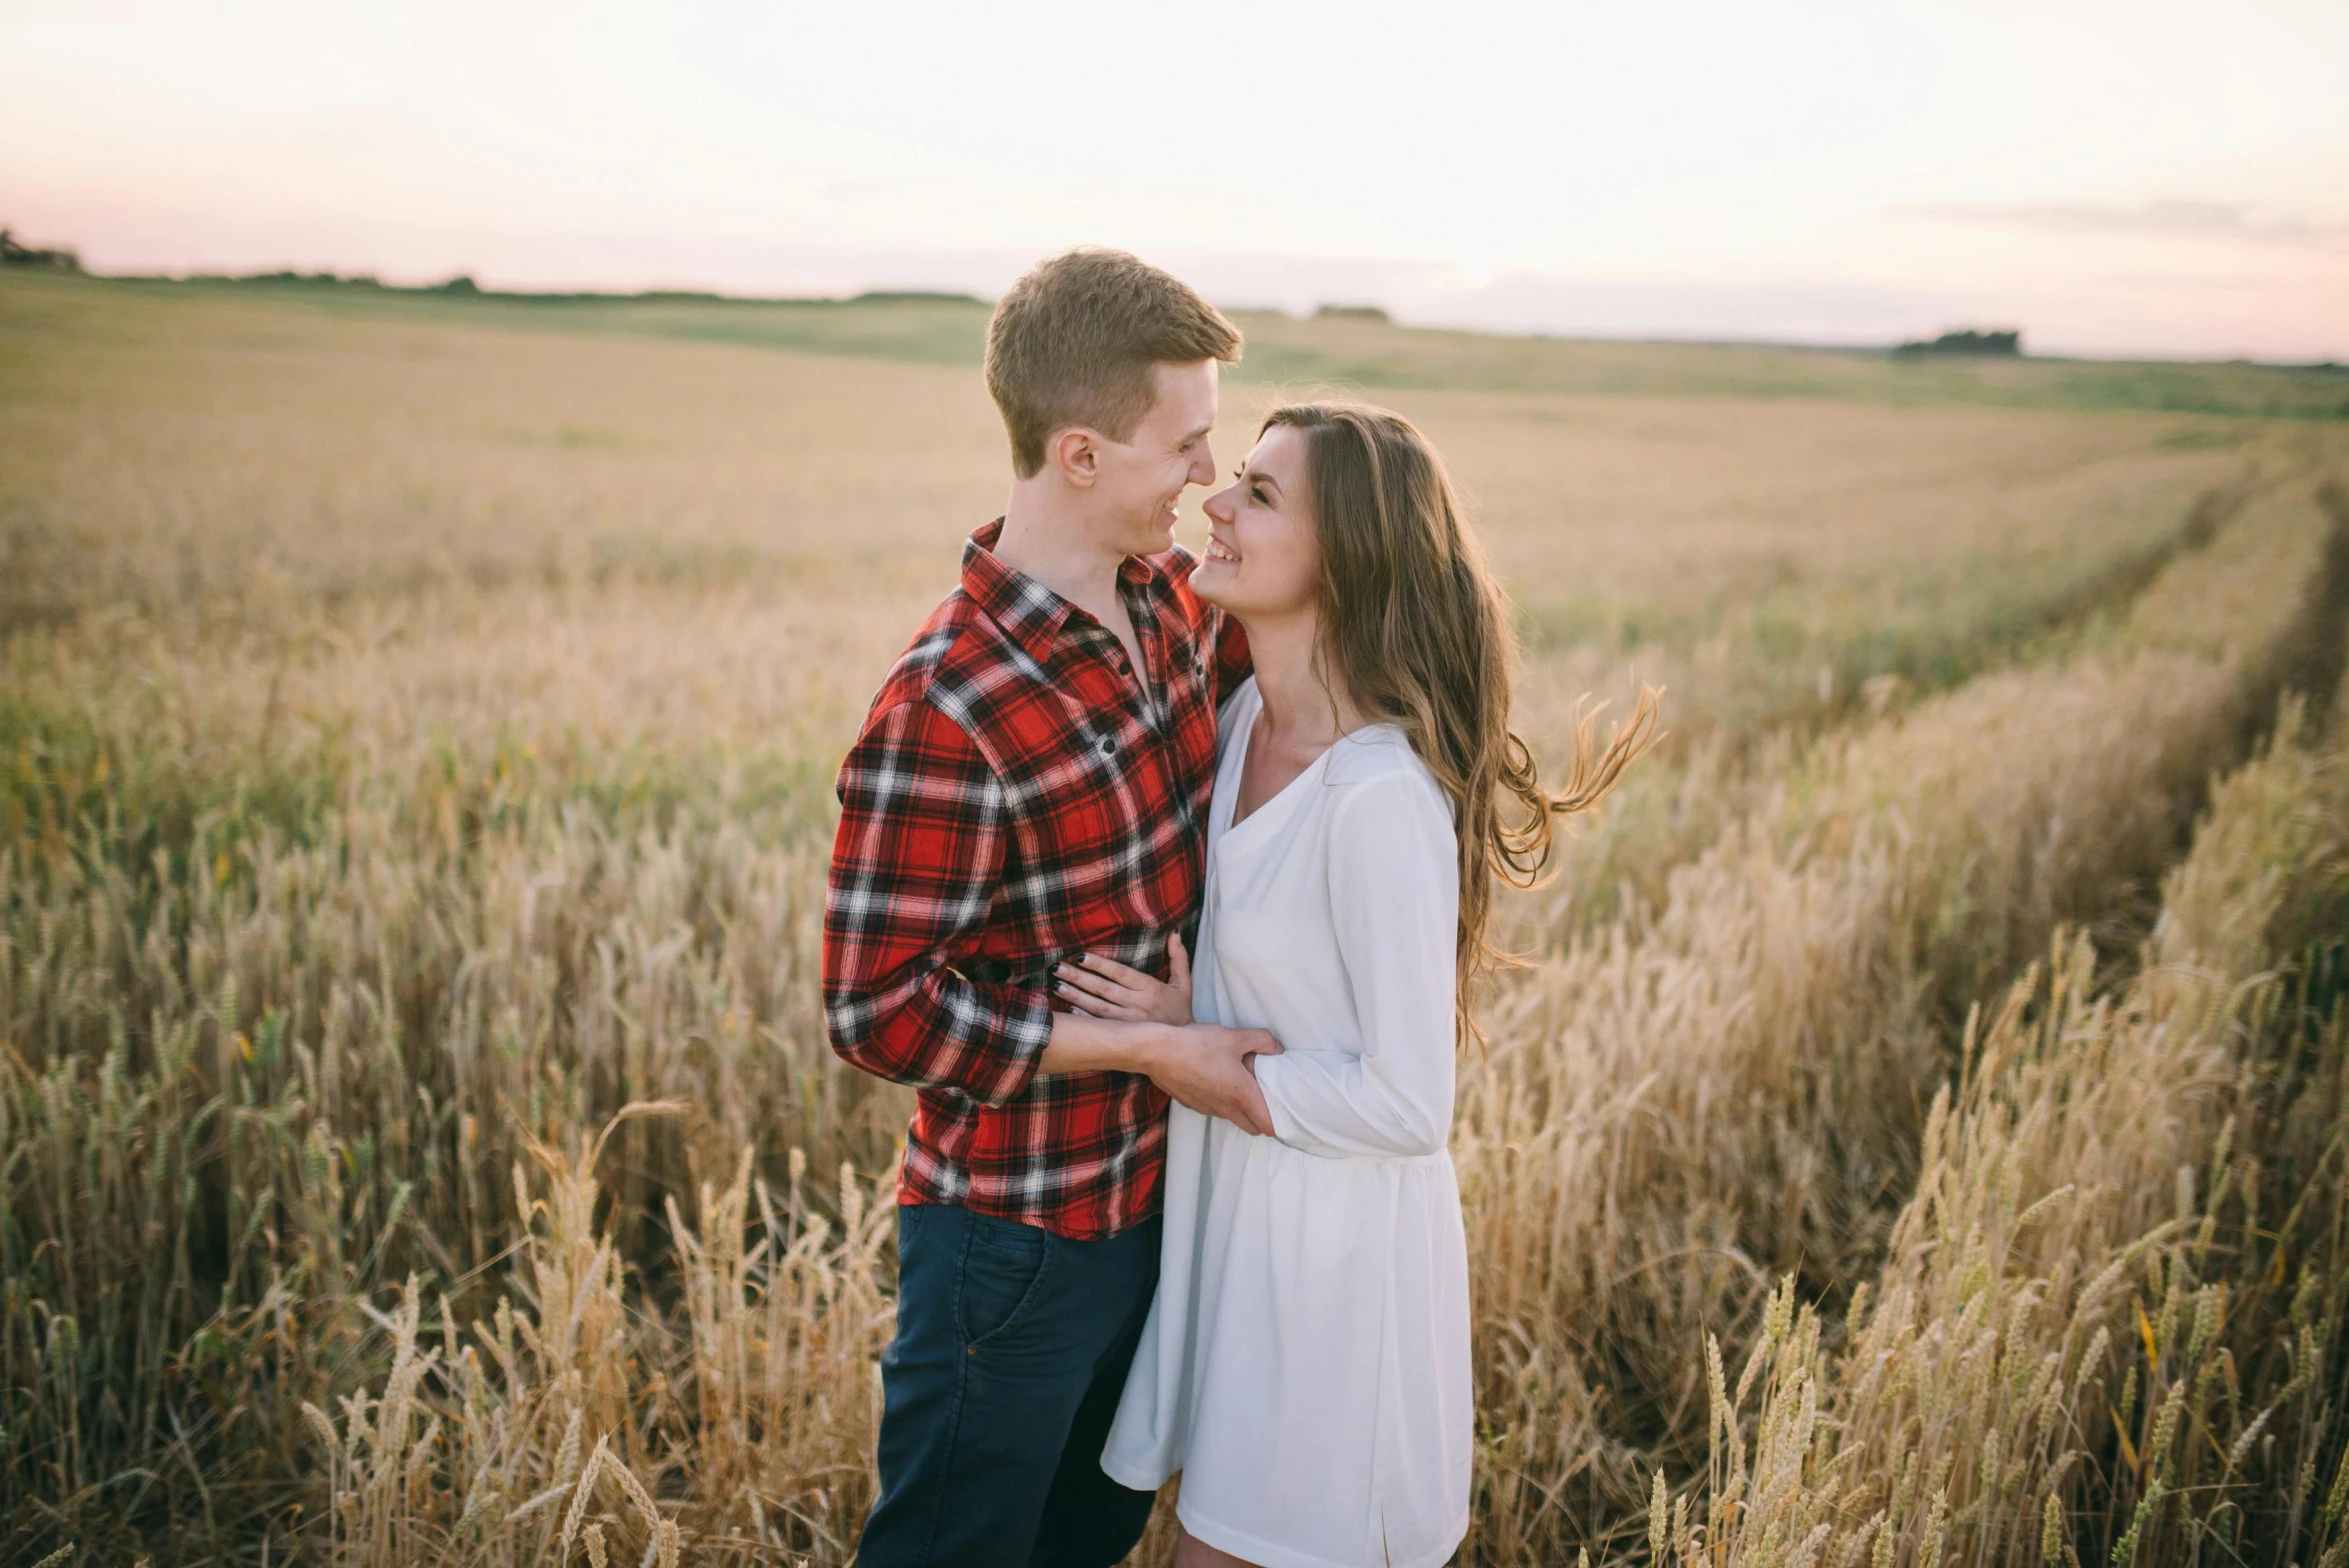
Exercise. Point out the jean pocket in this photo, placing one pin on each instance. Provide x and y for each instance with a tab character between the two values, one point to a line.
1003	1265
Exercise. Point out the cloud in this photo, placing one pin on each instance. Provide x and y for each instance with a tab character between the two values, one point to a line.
2165	219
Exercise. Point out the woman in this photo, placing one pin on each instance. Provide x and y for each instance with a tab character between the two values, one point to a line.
1306	1365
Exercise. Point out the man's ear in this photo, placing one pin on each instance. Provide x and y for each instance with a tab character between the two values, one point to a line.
1076	452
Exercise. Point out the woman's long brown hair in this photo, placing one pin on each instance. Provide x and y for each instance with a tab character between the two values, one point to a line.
1417	632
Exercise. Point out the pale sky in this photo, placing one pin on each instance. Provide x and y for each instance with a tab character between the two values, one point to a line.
2142	177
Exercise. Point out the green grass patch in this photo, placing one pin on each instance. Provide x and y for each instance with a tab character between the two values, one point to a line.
1330	351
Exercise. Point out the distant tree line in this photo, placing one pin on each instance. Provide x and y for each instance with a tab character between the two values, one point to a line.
464	286
15	254
1967	341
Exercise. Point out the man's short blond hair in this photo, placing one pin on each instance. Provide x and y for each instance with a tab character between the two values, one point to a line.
1076	340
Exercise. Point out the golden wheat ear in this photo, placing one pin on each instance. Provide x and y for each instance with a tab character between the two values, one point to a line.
1595	769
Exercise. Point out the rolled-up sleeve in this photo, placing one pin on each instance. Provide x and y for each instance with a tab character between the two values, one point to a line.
1394	883
918	857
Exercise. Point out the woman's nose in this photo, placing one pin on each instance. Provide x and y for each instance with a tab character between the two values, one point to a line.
1219	505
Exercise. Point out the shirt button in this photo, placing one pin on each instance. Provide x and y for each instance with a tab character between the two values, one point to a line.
1109	748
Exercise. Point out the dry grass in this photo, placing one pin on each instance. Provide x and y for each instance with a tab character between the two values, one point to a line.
1681	1112
416	745
2107	1326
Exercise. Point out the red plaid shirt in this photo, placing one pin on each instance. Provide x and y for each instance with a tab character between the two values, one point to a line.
1014	801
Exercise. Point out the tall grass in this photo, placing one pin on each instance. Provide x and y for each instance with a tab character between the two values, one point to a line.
2106	1330
565	1421
1675	1114
1611	1268
409	1072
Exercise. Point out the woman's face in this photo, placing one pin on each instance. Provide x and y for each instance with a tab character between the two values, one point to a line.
1262	560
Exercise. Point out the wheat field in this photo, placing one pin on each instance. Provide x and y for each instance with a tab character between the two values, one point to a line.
1915	1137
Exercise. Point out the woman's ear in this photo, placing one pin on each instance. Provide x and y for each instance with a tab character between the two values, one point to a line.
1076	452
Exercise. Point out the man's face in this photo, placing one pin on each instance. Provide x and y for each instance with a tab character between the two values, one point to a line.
1141	478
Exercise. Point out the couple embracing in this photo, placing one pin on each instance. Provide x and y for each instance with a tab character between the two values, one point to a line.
1159	879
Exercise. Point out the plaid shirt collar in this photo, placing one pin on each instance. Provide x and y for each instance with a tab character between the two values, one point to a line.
1031	614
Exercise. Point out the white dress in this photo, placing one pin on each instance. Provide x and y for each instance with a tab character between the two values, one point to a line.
1305	1364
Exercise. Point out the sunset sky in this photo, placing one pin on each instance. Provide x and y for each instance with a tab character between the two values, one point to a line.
2147	177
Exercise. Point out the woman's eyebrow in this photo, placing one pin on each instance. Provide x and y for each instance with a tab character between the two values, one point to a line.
1257	476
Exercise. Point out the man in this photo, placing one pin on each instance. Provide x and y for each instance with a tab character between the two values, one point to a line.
1031	786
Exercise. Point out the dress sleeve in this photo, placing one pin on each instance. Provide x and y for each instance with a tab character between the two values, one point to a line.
1395	904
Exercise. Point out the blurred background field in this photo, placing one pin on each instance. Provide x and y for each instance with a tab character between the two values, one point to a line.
416	740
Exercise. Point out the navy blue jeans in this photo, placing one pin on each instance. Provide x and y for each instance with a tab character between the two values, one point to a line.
997	1393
